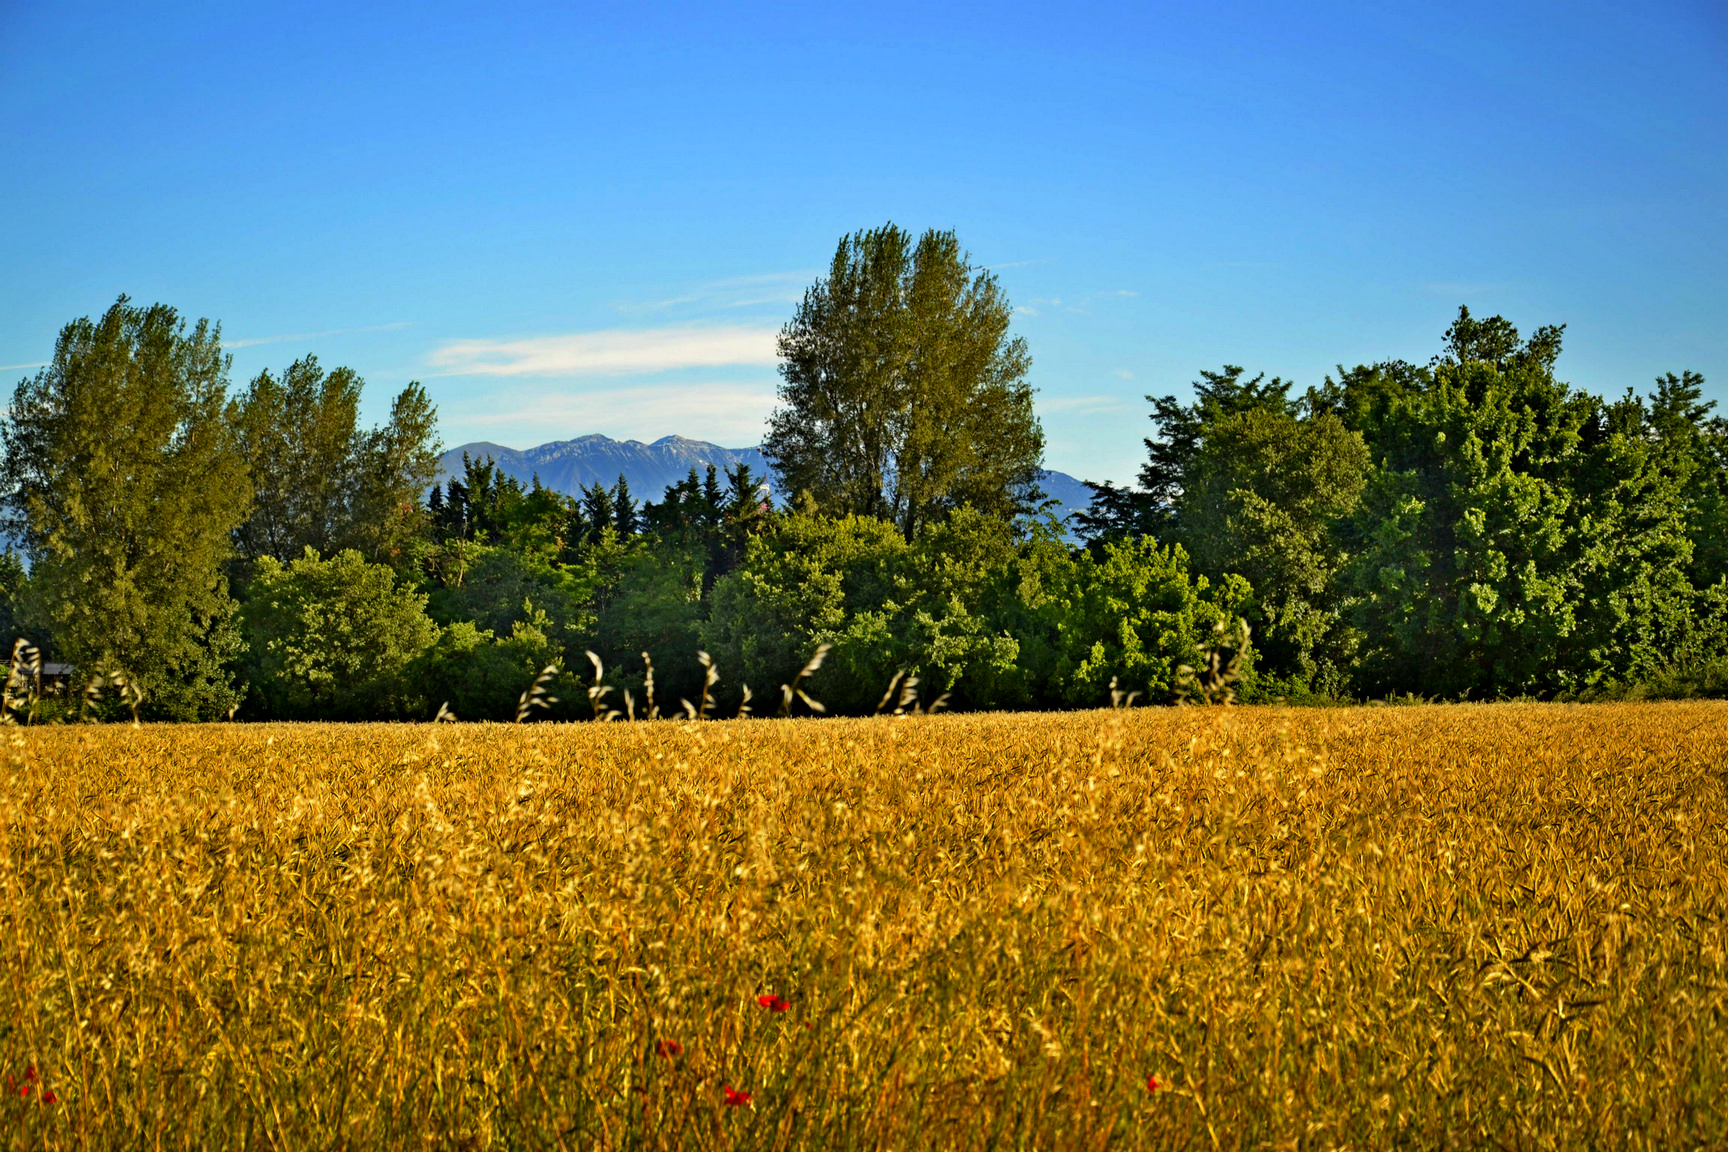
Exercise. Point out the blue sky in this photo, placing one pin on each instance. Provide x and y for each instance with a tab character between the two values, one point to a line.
579	218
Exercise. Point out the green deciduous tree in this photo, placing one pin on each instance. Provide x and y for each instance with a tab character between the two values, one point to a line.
1132	612
125	485
966	608
1150	510
395	465
885	604
321	482
480	675
1693	444
1251	481
1518	536
333	639
15	608
814	580
655	605
495	587
902	393
297	431
1479	527
1262	490
1184	429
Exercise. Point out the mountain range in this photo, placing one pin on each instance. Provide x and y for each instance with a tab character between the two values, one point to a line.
570	465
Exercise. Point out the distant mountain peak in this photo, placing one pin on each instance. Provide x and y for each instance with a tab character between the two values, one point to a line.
570	465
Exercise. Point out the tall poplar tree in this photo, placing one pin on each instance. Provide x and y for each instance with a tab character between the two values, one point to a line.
124	484
394	466
323	484
902	393
297	431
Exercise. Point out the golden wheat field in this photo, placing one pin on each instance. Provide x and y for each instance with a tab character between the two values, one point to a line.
1235	928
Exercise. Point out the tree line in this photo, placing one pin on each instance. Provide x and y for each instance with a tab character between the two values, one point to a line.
1469	528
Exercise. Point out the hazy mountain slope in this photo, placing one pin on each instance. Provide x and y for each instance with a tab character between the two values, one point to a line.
568	465
1073	495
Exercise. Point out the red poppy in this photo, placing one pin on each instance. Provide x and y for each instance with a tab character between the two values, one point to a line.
48	1096
773	1003
669	1048
24	1091
1153	1083
734	1098
30	1074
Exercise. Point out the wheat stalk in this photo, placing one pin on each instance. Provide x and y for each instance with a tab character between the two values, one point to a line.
789	691
537	694
597	691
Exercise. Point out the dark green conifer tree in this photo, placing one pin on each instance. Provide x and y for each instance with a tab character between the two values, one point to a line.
624	508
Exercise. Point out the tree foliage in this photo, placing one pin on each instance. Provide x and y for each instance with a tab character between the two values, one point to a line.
1520	536
321	482
1472	527
476	674
124	484
968	609
902	394
1476	526
297	432
334	639
1260	491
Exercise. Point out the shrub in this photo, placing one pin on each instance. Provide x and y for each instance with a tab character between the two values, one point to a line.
333	639
967	609
479	676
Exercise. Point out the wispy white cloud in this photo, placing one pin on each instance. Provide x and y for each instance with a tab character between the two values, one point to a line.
1023	263
11	367
726	412
733	292
1080	305
252	341
1123	374
1025	311
611	352
1081	405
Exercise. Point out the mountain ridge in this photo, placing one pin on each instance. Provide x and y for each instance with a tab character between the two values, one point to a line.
649	468
570	465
